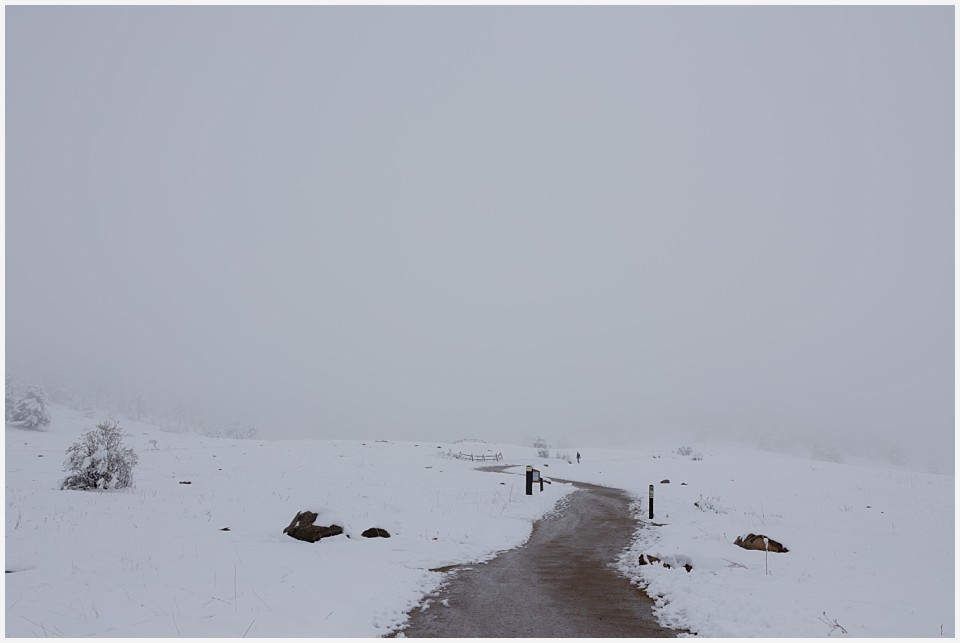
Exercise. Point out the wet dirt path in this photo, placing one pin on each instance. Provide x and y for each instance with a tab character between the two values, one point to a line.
561	583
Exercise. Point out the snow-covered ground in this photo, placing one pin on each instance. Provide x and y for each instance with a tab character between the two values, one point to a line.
871	547
153	561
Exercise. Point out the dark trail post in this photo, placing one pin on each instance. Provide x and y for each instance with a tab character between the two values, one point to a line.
651	502
529	480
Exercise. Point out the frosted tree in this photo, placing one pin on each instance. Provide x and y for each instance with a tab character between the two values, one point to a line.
543	449
31	411
11	403
99	460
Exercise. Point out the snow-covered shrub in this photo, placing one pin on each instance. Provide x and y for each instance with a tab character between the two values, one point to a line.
31	411
11	403
825	453
236	431
685	451
543	449
99	460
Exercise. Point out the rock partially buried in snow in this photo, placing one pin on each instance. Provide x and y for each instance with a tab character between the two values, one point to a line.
302	528
647	559
760	542
376	532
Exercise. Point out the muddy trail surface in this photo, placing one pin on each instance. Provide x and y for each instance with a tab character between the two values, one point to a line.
561	583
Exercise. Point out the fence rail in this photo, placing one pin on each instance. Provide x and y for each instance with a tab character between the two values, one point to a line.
483	457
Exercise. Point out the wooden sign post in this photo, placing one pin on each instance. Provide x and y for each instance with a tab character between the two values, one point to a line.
533	476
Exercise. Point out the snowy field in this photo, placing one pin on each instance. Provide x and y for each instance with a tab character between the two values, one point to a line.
871	546
153	561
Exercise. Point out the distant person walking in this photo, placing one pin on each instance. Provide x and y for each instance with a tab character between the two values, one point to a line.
578	457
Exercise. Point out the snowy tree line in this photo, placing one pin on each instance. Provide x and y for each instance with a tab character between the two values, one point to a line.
93	397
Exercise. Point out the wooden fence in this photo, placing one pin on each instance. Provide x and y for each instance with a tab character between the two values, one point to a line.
483	457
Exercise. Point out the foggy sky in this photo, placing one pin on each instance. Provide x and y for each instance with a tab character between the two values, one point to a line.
589	223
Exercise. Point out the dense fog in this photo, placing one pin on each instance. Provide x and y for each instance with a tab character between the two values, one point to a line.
593	224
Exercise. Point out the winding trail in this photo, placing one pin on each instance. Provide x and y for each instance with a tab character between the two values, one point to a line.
561	583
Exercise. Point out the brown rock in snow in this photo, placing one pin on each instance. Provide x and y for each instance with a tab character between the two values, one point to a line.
302	528
376	532
756	541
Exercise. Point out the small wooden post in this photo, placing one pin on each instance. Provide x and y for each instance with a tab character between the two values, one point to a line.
529	480
651	502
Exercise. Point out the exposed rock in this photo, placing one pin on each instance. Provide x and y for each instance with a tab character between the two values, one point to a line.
647	559
760	542
302	528
665	481
376	532
185	482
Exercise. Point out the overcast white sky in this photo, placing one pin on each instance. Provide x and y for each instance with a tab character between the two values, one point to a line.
584	222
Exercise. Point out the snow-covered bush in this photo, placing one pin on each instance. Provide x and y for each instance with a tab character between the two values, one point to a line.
99	460
31	411
825	453
685	451
543	449
233	431
11	403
